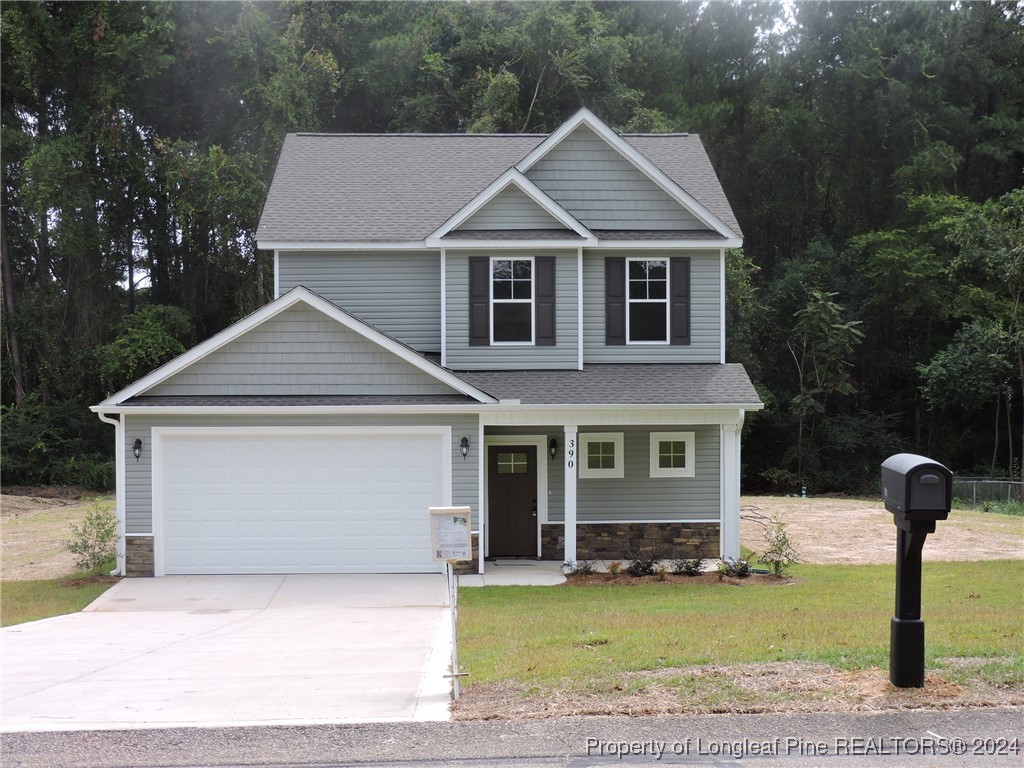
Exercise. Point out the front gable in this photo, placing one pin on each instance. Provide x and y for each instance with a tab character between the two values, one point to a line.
510	209
604	190
299	344
300	351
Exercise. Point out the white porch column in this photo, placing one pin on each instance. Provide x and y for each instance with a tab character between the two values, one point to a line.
730	532
571	461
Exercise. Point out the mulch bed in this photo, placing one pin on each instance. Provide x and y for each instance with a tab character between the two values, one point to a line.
669	579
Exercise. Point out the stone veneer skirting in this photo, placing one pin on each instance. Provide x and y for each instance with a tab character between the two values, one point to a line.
617	541
470	566
138	555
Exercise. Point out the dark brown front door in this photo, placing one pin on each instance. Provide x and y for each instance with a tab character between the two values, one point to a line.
512	500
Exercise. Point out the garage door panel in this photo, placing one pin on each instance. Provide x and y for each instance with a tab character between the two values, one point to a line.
253	502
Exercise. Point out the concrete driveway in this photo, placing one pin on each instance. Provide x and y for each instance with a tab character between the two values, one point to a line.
234	650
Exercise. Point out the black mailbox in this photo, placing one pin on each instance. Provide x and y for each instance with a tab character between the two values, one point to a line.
918	492
916	489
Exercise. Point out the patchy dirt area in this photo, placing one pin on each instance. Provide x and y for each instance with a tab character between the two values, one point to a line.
789	686
34	526
861	531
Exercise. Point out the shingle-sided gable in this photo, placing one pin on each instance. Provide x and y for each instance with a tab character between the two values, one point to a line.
510	209
602	189
300	351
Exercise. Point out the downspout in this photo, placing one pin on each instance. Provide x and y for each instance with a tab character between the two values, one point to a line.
119	489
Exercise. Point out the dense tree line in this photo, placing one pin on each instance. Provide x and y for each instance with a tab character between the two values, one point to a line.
873	152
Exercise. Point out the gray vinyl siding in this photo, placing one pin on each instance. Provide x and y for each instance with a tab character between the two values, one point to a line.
705	313
637	495
511	209
139	478
564	354
301	351
397	293
604	190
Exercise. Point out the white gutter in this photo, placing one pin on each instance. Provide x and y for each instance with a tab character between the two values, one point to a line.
119	489
273	410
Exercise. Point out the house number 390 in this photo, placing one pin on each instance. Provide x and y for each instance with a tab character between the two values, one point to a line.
570	455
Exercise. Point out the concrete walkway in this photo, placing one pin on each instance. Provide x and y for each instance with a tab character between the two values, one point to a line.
505	573
234	650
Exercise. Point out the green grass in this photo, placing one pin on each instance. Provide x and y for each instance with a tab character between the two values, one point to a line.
1012	508
22	601
839	615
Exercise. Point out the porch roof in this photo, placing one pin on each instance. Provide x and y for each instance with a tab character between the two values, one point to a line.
623	384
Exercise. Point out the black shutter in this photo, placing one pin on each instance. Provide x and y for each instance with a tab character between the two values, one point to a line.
544	300
479	301
679	279
615	301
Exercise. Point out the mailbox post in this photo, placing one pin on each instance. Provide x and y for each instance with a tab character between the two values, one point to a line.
918	492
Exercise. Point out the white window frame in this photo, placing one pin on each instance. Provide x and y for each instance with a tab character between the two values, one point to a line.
617	439
666	301
688	438
530	301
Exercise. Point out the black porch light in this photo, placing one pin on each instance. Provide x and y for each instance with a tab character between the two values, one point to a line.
464	445
137	448
553	447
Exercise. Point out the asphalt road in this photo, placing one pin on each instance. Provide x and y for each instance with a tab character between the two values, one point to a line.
985	738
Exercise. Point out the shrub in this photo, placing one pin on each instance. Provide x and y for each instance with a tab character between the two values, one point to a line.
662	571
578	567
614	568
642	564
94	542
688	567
737	569
780	553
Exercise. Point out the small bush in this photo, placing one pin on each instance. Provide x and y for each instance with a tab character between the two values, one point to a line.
614	568
662	571
737	569
688	567
94	542
579	568
641	564
780	553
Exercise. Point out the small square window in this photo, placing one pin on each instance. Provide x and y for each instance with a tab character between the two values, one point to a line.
602	454
672	454
512	463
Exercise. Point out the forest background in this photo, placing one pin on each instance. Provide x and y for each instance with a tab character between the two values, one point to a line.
873	152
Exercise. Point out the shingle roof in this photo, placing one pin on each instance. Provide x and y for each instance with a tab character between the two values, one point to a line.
401	187
622	384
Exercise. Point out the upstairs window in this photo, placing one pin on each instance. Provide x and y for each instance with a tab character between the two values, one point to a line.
647	298
512	301
647	301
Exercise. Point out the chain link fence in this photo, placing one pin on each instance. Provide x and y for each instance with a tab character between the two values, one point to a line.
976	491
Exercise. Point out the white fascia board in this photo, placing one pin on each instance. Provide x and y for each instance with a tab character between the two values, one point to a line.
511	245
674	245
340	245
511	177
634	156
268	311
484	409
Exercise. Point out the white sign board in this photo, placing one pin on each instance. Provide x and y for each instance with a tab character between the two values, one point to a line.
449	534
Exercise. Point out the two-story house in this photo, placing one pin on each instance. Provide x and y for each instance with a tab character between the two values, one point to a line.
532	326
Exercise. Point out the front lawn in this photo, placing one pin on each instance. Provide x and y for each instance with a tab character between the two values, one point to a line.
612	639
22	601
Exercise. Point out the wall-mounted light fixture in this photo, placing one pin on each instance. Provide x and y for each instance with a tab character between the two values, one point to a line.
137	448
464	445
553	447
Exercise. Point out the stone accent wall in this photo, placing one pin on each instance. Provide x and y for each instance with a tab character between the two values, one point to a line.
138	556
615	541
470	566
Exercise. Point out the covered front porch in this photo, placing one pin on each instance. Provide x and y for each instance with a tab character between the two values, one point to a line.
605	484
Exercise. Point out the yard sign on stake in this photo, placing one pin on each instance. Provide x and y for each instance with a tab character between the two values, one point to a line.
450	542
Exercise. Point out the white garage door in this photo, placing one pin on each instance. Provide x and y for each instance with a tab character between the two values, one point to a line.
288	501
